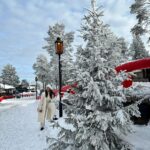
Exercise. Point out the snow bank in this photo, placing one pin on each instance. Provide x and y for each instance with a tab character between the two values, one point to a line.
140	138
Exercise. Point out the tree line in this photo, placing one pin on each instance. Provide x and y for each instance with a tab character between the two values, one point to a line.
9	76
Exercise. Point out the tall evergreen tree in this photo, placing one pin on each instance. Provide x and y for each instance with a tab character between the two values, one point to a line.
96	111
137	48
58	30
24	83
9	75
42	69
141	8
125	51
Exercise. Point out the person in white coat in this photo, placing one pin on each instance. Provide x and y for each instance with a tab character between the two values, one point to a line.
46	108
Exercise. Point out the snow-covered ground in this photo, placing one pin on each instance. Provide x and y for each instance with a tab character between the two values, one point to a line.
19	129
8	103
140	138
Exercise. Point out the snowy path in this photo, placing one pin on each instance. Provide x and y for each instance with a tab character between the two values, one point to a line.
19	129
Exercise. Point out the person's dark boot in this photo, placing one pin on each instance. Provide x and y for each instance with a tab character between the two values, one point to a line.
42	128
55	118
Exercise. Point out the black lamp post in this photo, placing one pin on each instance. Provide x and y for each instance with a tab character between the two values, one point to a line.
36	79
59	51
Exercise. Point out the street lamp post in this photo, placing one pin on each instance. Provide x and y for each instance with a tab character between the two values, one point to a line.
36	79
59	51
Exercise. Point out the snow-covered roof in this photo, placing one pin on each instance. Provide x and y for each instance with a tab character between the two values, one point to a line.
6	86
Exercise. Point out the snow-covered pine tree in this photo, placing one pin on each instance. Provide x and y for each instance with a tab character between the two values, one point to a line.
96	112
42	69
54	71
125	51
141	8
58	30
24	83
9	75
137	48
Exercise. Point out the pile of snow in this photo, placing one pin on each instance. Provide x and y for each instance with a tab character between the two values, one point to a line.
141	89
28	93
140	137
9	103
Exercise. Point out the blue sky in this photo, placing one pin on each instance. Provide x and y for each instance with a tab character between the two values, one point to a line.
24	25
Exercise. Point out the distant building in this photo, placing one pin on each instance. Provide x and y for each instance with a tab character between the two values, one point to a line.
32	86
6	89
